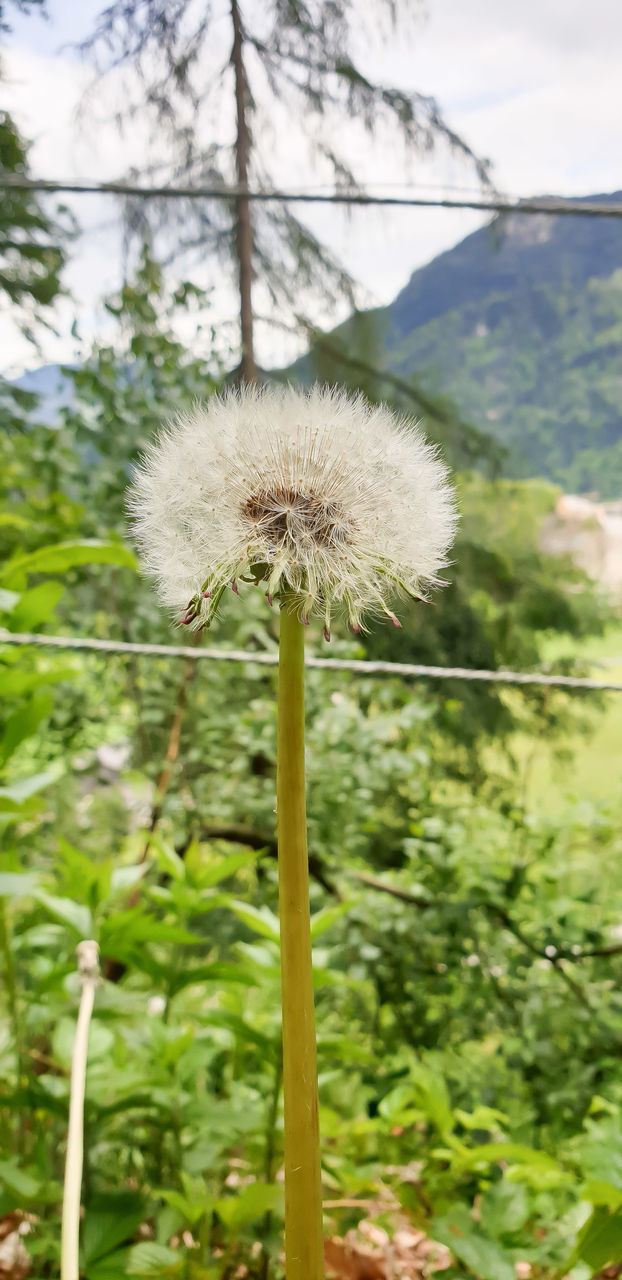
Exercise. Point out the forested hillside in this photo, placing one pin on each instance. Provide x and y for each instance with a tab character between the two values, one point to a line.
521	324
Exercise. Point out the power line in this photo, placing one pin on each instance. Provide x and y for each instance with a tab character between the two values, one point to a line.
549	205
360	667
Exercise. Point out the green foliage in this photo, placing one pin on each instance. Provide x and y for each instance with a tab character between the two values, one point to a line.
30	260
64	555
464	946
353	356
521	326
503	596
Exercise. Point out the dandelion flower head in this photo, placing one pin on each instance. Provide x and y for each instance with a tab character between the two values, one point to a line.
329	502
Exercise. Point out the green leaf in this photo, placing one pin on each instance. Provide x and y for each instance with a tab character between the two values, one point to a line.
432	1095
10	520
35	606
219	971
109	1223
17	884
23	723
151	1259
176	1044
598	1192
9	812
398	1106
424	1092
343	1049
193	1205
35	1098
111	1267
243	1030
484	1258
71	913
600	1241
18	1181
190	1212
67	555
504	1208
89	881
15	681
126	928
260	919
600	1152
481	1118
327	917
8	600
122	878
167	859
27	787
219	869
250	1204
100	1043
513	1152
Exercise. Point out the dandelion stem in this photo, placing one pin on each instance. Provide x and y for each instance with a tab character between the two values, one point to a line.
88	968
304	1241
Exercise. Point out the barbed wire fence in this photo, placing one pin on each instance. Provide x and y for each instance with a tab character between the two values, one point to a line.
268	658
547	205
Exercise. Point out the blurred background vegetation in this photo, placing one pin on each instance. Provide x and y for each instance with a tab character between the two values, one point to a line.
464	838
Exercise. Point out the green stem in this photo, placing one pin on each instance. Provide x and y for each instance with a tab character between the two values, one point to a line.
304	1239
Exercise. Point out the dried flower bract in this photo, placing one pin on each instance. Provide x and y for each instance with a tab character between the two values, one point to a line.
320	496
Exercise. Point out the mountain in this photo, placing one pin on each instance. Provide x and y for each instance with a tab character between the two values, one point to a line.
521	325
54	390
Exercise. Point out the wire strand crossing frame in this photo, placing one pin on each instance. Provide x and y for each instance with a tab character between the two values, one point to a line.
548	205
363	667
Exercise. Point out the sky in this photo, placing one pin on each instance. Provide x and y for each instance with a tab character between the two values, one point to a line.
533	85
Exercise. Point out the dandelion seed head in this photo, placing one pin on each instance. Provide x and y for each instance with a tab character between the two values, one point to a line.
318	495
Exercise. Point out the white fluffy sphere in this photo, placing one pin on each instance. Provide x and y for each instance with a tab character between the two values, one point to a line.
327	499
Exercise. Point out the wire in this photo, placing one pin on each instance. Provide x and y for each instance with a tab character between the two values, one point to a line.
360	667
544	204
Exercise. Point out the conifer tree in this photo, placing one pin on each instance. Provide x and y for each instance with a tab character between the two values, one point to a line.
31	252
296	53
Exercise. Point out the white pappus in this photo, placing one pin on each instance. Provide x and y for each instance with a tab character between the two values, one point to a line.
331	502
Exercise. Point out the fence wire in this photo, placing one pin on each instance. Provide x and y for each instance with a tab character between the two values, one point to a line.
363	667
551	206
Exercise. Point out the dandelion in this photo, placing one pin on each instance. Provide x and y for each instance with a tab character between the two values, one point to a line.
335	507
321	497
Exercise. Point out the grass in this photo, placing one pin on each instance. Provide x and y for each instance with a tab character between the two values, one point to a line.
585	765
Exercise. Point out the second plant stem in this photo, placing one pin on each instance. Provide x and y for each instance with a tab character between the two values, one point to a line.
88	967
304	1240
